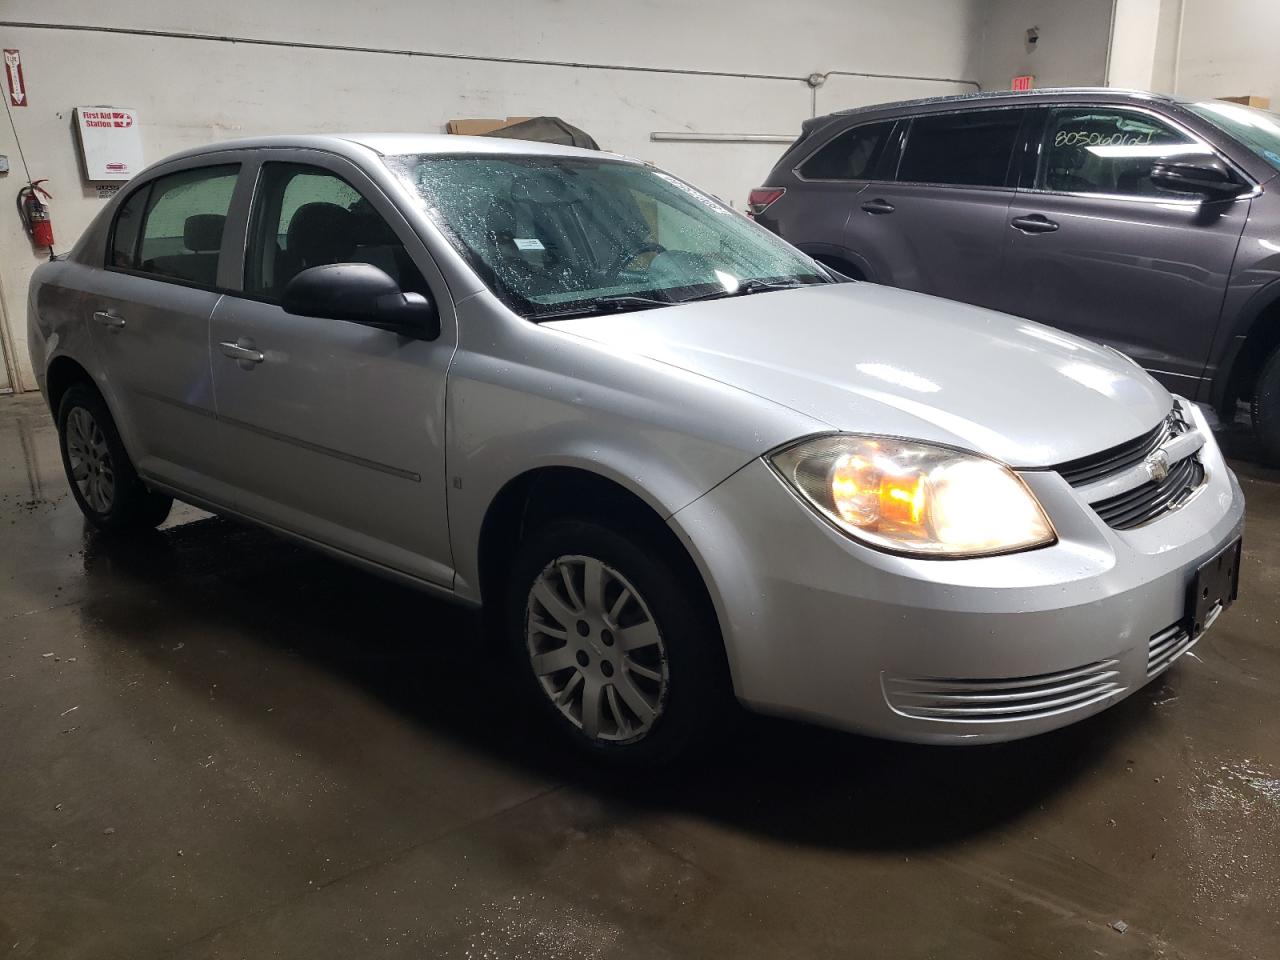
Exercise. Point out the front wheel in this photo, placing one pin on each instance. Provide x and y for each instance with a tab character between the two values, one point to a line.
616	642
1266	408
101	476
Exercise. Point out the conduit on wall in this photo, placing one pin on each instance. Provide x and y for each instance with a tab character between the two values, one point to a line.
813	80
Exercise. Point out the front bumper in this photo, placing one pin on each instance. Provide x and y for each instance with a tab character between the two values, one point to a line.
818	626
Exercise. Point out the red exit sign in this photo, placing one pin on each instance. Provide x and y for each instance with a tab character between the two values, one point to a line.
1025	82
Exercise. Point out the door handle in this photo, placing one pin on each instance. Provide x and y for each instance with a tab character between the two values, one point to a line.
242	351
878	206
1036	223
108	319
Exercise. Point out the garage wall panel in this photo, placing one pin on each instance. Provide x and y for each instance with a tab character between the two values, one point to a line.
191	91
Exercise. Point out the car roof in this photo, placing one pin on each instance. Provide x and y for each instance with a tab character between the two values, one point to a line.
395	144
1042	95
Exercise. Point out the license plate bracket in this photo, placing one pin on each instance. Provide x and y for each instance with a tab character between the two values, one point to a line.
1214	588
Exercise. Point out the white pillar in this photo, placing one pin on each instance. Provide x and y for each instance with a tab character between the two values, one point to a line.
1131	62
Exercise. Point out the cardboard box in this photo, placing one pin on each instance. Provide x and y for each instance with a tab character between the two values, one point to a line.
1262	103
480	126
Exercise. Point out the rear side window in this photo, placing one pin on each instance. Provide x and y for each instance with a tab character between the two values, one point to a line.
1109	151
966	149
854	155
173	227
307	217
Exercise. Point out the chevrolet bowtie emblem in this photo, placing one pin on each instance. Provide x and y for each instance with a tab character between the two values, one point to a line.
1158	466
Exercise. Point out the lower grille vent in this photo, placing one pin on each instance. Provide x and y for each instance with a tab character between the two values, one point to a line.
1165	647
1003	699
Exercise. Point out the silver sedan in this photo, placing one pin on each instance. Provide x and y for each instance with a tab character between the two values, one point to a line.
679	463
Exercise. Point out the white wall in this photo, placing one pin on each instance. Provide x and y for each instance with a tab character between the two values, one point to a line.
1072	49
1228	49
194	91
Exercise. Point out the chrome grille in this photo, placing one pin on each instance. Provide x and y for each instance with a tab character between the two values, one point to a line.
1165	647
1135	507
1090	469
1145	501
1003	699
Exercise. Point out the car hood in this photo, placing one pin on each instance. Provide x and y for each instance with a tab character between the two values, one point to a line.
867	358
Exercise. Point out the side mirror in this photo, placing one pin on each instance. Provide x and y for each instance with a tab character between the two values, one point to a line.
1205	176
360	293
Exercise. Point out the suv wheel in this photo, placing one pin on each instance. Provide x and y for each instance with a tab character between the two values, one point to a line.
100	474
617	649
1266	408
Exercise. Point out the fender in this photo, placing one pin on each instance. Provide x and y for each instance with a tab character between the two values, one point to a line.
1224	375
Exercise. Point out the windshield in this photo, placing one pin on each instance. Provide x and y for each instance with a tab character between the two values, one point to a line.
1257	129
548	234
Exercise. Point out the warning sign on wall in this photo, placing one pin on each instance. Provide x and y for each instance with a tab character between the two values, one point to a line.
13	78
110	142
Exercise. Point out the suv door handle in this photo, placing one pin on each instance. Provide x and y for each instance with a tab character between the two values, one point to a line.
878	206
1036	223
242	351
108	319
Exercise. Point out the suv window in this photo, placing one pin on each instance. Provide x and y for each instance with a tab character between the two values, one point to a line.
173	226
1104	150
853	155
967	149
307	217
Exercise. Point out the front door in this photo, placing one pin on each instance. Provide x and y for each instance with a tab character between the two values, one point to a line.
940	227
1096	248
333	429
150	310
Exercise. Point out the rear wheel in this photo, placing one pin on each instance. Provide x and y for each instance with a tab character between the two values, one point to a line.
616	643
1266	408
100	474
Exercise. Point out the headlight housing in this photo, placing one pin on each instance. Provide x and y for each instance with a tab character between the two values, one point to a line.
916	498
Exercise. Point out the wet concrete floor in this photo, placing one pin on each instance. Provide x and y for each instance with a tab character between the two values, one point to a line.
216	744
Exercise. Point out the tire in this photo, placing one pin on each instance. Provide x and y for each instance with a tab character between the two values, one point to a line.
1266	409
669	698
108	491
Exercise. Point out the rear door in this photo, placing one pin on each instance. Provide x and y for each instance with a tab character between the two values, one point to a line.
939	228
333	429
1096	248
150	312
825	191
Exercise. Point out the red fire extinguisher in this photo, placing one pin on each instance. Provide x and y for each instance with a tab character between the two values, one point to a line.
35	214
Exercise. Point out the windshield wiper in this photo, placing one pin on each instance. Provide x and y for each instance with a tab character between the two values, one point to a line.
749	286
617	304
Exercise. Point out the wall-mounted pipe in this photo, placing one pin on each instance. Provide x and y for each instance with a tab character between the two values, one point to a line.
472	57
664	137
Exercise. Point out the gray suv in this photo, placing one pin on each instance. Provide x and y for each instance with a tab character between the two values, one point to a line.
1146	222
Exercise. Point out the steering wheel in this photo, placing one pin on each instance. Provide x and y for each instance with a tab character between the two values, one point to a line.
611	272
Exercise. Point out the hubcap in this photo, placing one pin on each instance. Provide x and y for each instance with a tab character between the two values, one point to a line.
90	460
596	649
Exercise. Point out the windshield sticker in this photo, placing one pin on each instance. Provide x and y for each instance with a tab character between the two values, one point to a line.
1092	138
528	243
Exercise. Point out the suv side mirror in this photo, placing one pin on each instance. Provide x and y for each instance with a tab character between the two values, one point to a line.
360	293
1206	176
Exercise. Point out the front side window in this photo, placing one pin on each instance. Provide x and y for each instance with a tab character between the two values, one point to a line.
550	233
853	155
1108	151
1259	130
965	149
172	228
304	217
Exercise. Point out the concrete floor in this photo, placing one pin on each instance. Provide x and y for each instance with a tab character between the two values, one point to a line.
215	744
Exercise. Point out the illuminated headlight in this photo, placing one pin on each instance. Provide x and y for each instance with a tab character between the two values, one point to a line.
916	498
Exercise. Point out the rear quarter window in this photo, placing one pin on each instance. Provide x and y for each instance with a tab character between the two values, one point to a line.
853	155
